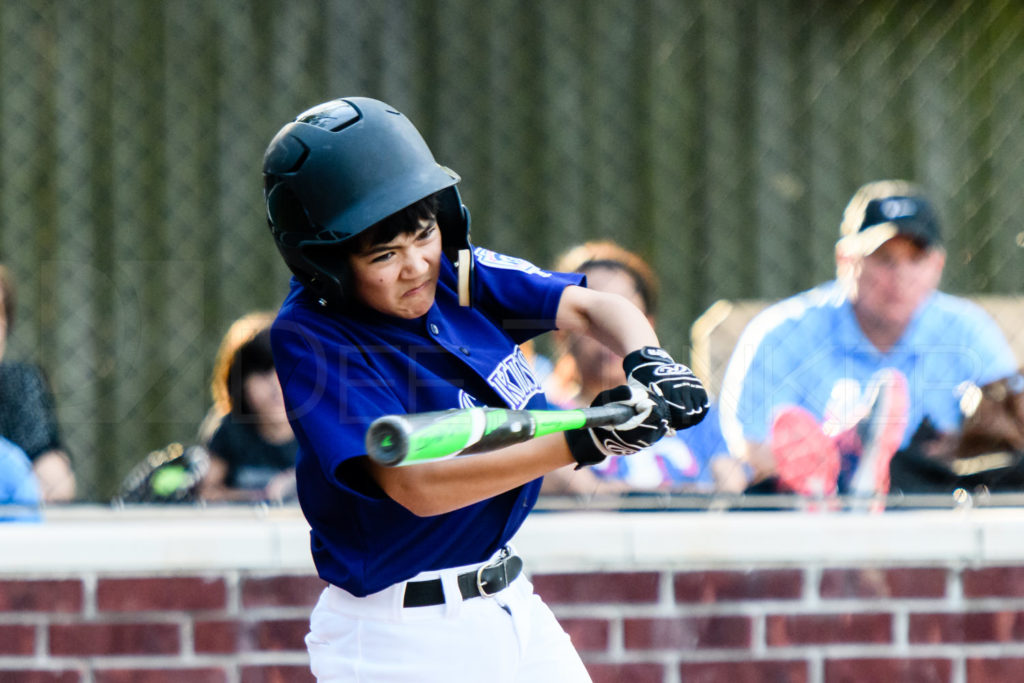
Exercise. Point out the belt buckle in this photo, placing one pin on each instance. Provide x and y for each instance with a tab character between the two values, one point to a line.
500	562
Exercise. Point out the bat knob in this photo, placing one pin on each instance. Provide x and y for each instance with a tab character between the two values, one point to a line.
387	440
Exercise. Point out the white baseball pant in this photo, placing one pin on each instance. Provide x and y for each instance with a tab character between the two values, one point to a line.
511	637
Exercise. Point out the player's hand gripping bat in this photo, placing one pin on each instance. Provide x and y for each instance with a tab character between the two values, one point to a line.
421	437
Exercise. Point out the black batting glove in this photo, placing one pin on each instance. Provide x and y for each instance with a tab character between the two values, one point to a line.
654	369
591	446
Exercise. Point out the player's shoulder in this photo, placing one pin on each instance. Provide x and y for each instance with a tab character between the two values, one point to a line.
953	306
303	325
493	260
947	314
810	309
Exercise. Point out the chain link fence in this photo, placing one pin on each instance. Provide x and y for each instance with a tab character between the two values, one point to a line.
719	139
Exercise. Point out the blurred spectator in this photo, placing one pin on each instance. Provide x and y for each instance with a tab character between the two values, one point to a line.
823	388
986	455
19	489
28	417
585	367
252	449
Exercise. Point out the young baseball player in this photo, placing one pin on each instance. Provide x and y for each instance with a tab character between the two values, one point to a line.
391	311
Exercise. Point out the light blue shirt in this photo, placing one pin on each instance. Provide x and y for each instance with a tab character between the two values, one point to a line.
809	351
19	490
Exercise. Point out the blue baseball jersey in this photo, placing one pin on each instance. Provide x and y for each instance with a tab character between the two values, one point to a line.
809	351
339	372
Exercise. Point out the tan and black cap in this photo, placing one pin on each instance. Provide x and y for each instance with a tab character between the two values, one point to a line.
884	209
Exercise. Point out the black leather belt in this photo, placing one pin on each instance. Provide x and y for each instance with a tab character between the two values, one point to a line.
485	581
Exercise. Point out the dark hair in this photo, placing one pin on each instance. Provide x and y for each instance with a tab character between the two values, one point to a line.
401	222
254	356
10	296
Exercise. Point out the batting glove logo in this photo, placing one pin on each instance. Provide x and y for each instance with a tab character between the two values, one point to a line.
654	369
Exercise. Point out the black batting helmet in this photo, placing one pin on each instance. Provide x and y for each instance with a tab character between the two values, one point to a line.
338	169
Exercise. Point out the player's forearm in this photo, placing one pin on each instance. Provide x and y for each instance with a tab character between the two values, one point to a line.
609	318
439	487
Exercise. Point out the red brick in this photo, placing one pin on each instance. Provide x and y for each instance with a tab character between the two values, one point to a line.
993	582
282	634
974	627
883	583
206	675
170	593
722	586
36	676
744	672
994	670
688	633
588	635
114	639
622	587
17	639
221	637
41	596
620	673
276	674
805	629
902	670
227	636
282	591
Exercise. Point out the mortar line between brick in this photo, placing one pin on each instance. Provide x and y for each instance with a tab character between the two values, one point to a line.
815	668
811	590
901	629
959	672
42	640
90	583
616	636
233	581
955	586
758	634
187	632
666	591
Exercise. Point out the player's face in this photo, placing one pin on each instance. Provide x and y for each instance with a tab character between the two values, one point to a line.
895	280
399	277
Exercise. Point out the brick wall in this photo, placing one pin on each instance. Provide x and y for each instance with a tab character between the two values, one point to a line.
211	627
951	619
935	623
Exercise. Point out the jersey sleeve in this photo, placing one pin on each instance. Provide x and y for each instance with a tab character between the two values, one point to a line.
522	298
331	401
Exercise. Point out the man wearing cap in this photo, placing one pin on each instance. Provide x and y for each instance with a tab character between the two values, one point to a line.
823	387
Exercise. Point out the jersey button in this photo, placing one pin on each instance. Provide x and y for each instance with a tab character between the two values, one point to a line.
464	350
434	329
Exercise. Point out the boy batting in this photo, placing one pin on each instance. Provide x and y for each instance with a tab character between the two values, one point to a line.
391	312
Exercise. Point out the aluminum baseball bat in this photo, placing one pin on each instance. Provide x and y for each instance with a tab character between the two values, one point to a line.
394	440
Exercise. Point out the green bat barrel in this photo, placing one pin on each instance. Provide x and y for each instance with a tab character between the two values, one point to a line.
409	439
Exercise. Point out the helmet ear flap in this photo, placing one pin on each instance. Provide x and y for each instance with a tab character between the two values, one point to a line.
329	275
453	217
